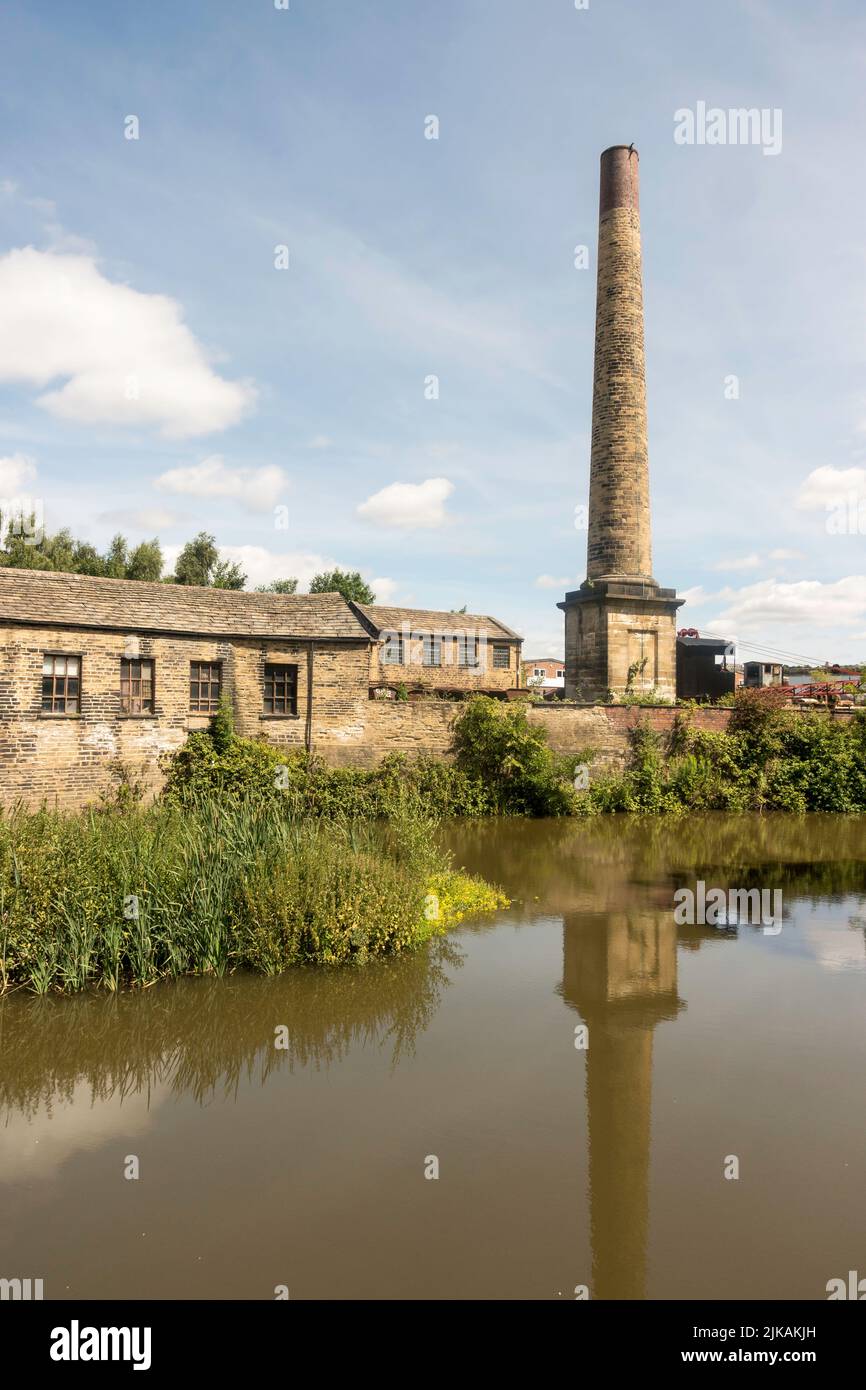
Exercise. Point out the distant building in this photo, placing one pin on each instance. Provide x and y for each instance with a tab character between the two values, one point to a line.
705	668
544	673
427	651
759	673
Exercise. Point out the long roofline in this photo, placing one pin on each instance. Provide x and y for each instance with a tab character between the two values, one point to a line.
416	617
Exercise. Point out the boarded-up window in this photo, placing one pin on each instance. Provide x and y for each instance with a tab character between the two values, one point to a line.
281	690
136	686
205	680
61	684
642	658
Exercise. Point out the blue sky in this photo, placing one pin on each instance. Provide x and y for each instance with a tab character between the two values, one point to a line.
159	374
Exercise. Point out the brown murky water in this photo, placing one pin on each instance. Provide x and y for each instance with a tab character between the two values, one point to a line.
558	1166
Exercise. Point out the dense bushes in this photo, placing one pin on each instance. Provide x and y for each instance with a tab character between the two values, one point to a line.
301	785
114	898
502	766
770	759
497	747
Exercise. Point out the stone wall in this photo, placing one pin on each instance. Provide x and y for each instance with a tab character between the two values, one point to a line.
424	727
69	760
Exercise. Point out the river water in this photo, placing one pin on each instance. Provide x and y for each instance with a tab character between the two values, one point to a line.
613	1101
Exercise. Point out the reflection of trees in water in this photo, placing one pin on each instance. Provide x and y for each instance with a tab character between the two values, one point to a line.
199	1036
624	860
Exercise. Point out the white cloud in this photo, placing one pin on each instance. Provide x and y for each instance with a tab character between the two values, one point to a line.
549	581
695	596
783	554
262	566
410	506
743	562
127	357
258	489
384	589
17	471
827	487
320	441
808	602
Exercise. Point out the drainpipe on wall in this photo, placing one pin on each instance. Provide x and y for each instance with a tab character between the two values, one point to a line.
308	731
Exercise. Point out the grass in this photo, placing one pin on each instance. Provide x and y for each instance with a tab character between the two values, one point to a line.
128	898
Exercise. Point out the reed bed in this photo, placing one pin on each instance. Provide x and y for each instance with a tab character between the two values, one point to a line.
113	899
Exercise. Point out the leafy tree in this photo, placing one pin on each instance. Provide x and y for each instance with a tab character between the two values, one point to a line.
278	586
345	582
228	575
195	563
116	558
199	563
61	552
52	552
146	562
86	559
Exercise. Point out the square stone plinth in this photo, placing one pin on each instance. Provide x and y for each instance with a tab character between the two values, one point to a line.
620	635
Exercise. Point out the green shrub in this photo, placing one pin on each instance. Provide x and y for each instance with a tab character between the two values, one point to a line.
495	745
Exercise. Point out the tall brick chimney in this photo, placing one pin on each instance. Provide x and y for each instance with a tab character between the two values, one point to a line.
620	629
618	543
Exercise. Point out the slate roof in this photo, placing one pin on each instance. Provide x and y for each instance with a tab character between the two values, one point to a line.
381	619
43	598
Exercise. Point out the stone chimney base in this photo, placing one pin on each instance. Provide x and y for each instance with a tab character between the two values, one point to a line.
620	636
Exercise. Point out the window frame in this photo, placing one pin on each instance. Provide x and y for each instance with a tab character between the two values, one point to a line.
393	641
498	649
65	713
431	650
288	696
212	705
463	657
145	710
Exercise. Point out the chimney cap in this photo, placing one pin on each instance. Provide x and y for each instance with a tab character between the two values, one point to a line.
619	180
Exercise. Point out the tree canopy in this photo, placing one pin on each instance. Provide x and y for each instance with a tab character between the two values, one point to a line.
199	562
346	582
63	552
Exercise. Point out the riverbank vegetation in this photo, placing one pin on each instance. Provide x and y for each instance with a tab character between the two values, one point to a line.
117	898
502	765
768	759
